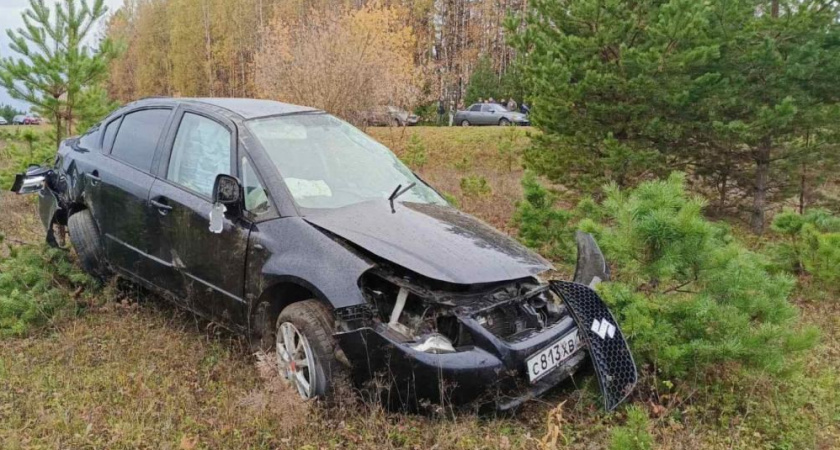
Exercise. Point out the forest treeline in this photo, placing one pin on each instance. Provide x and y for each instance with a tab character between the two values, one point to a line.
403	52
740	95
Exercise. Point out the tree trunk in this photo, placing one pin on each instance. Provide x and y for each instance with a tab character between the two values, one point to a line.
802	191
762	177
57	119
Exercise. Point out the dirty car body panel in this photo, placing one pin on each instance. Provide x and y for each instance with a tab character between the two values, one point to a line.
430	299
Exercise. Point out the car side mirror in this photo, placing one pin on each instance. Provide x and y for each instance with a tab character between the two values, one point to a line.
227	190
227	201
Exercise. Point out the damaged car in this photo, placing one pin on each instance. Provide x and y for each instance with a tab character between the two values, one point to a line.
292	227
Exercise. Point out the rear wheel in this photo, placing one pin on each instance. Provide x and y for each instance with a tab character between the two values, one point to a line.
306	349
84	235
465	123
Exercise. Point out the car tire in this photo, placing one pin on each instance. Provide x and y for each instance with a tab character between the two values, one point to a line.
504	122
465	123
311	326
84	235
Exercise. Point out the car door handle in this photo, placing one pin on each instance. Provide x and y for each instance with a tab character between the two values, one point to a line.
94	177
163	208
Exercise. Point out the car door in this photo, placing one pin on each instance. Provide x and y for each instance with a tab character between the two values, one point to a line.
210	266
474	114
117	188
488	115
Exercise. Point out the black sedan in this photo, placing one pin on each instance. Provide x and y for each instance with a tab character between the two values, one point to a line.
289	225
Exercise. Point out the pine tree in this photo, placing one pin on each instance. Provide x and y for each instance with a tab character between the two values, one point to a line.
728	91
55	64
484	83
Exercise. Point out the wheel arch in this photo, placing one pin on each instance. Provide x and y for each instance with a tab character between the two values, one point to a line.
279	294
287	290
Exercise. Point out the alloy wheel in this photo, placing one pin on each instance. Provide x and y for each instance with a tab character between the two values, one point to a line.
295	359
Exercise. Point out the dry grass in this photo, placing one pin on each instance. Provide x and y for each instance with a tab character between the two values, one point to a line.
142	374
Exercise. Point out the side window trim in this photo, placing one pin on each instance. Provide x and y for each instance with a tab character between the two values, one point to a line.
107	146
169	145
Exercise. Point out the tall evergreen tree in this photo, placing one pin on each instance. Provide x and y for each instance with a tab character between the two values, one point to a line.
484	83
727	91
55	64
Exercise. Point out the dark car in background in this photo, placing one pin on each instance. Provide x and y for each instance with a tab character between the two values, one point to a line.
489	114
388	116
296	229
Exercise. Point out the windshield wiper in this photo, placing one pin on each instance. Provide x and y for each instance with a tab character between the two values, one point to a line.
397	192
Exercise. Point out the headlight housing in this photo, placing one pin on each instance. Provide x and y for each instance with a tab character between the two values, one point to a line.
434	343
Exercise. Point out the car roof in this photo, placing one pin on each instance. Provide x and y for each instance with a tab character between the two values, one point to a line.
247	108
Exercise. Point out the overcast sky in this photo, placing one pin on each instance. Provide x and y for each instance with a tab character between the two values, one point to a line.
10	18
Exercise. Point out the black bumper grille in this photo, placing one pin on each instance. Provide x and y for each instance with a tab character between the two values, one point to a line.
609	352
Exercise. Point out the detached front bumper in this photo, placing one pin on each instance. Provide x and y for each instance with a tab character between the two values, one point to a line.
492	371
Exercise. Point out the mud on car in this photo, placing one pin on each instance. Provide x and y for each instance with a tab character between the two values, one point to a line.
294	228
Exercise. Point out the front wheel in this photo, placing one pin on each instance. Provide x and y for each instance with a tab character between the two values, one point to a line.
465	123
504	122
306	350
84	235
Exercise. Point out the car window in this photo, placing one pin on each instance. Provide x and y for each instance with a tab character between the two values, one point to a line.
476	108
256	198
110	132
487	108
138	137
90	140
200	152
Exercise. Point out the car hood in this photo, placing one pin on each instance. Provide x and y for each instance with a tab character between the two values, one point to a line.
438	242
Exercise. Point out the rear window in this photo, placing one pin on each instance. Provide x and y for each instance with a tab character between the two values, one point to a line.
138	136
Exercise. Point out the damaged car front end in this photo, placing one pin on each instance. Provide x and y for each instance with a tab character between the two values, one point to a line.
487	345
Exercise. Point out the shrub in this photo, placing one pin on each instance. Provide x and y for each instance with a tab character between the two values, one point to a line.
687	294
541	225
812	244
415	153
37	285
508	151
475	186
634	435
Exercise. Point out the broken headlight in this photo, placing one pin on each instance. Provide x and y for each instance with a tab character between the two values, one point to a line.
434	343
405	310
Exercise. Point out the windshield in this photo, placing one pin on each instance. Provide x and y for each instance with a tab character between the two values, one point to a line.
327	163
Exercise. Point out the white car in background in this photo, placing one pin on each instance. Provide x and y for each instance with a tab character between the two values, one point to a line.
3	121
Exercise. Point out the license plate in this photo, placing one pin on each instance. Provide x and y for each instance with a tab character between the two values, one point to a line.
546	360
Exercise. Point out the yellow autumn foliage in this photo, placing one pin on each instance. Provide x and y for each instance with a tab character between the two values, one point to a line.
343	61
